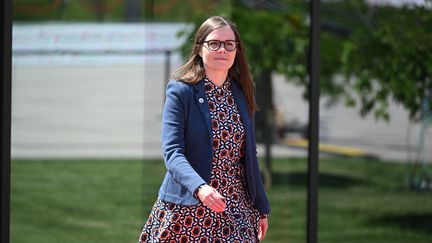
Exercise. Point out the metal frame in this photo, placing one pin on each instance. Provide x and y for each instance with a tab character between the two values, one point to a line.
5	133
314	93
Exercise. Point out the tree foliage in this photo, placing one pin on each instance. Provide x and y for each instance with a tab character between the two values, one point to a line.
391	58
275	40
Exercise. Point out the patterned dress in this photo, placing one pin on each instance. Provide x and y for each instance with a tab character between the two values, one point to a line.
170	222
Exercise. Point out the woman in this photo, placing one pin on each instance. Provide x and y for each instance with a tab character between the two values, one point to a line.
212	191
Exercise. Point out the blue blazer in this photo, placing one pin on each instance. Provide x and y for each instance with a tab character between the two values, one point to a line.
187	148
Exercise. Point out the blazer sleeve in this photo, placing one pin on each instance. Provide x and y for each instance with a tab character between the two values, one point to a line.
261	201
174	121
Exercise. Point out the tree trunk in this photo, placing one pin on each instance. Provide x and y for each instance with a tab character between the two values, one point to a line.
265	121
98	7
149	10
132	10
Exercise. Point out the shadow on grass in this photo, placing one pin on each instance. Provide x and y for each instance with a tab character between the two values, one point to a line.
410	221
325	180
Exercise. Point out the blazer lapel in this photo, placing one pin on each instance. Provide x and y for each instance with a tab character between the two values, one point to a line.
241	103
201	100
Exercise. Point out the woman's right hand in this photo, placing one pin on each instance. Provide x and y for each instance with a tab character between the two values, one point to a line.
211	198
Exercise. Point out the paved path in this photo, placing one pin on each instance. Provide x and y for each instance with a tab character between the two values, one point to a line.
114	111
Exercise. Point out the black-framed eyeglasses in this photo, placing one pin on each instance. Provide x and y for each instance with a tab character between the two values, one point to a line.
214	45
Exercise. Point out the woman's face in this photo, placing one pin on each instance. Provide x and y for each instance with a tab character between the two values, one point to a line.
219	60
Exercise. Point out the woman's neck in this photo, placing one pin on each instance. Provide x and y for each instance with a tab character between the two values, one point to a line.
218	78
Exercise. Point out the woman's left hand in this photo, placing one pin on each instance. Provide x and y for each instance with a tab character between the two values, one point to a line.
262	228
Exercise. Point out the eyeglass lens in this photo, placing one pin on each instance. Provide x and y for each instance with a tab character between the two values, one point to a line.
215	45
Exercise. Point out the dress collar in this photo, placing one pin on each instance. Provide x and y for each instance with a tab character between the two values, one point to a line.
210	86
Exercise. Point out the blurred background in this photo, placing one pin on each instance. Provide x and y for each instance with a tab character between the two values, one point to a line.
88	89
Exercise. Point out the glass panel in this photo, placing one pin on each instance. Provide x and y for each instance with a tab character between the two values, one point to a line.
375	170
88	92
78	94
77	132
288	195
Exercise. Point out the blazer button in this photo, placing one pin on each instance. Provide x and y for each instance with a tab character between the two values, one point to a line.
201	100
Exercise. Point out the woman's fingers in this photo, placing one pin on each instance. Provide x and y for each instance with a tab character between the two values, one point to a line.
211	198
218	203
262	230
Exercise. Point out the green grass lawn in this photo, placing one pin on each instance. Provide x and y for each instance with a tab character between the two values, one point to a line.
109	200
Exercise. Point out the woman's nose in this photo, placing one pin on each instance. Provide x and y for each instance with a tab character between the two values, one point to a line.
220	48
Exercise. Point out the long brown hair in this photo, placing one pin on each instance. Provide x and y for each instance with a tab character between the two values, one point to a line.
193	70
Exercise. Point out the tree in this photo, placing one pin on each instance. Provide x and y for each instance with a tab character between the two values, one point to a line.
390	59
